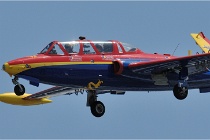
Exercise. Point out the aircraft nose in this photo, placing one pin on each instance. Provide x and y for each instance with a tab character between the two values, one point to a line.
6	67
13	69
3	67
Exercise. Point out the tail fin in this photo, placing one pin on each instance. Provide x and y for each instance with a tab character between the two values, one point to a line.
202	41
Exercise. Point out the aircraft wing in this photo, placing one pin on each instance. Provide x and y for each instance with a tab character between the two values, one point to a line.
42	97
54	91
37	98
195	64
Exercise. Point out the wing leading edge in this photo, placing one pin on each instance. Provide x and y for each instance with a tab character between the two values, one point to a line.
52	92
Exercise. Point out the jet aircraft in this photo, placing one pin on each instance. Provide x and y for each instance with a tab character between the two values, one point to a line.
100	67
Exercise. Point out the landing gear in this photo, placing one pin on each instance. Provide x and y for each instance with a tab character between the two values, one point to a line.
180	92
18	89
97	107
181	89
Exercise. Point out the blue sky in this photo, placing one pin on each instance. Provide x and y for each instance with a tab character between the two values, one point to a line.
27	27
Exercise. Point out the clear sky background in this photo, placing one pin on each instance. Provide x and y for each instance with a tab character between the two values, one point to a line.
27	27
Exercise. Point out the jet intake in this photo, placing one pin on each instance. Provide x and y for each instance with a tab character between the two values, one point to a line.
118	67
12	98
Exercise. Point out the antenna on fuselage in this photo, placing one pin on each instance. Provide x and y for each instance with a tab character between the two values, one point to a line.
82	38
175	49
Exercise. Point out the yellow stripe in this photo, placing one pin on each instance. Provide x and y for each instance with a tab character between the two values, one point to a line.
15	69
35	65
201	42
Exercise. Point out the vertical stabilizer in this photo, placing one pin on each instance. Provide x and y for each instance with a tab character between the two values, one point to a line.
202	41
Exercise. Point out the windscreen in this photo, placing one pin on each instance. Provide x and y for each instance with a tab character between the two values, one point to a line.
46	48
129	47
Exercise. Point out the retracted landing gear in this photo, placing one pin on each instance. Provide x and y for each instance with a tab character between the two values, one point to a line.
180	92
97	107
18	89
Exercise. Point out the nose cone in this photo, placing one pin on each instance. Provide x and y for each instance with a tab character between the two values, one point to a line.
13	69
7	68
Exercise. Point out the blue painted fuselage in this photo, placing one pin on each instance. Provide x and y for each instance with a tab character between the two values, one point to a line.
80	75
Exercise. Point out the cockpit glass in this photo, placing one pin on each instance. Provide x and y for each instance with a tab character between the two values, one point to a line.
104	47
56	50
46	48
72	47
88	48
128	47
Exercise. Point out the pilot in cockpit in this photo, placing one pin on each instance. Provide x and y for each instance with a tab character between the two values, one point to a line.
69	47
99	47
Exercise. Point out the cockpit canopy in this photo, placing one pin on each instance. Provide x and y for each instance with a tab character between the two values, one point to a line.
89	47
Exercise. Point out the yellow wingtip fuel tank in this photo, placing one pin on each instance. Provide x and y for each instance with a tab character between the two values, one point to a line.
12	98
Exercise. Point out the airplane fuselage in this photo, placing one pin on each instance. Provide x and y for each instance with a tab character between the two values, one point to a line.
79	70
104	67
